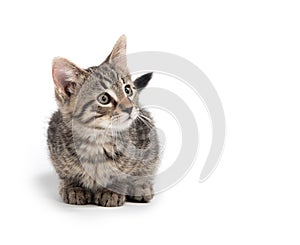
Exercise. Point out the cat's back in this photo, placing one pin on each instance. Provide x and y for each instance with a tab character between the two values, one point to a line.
58	134
54	124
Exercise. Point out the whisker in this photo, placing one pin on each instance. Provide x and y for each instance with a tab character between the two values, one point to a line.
150	126
145	117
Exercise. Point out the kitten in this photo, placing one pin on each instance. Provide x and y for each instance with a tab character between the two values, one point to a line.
103	145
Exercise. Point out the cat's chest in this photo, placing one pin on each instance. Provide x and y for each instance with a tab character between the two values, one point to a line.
97	175
98	167
94	151
89	146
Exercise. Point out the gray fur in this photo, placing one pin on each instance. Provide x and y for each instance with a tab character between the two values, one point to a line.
99	158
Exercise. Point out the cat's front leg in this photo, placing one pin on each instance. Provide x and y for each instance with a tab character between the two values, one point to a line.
140	192
75	194
108	198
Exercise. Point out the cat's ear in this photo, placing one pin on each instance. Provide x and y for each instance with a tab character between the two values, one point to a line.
142	81
118	54
66	76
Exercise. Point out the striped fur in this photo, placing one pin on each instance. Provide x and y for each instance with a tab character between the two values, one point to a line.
103	154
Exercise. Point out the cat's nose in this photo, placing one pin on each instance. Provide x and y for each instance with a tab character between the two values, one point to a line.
127	109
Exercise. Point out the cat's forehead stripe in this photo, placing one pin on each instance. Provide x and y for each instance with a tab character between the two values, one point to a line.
112	94
105	83
109	72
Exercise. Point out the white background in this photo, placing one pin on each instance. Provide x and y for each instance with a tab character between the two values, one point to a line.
250	50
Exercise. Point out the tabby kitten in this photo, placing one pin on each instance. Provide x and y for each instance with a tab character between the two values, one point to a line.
102	144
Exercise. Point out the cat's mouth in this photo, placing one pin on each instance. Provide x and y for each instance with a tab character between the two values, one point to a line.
121	122
124	118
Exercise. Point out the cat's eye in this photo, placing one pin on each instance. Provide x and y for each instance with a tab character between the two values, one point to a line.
104	98
128	90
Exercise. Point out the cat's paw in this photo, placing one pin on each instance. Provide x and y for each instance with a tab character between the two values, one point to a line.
140	194
76	195
107	198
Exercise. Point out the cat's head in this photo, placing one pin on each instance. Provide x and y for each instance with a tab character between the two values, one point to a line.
101	96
